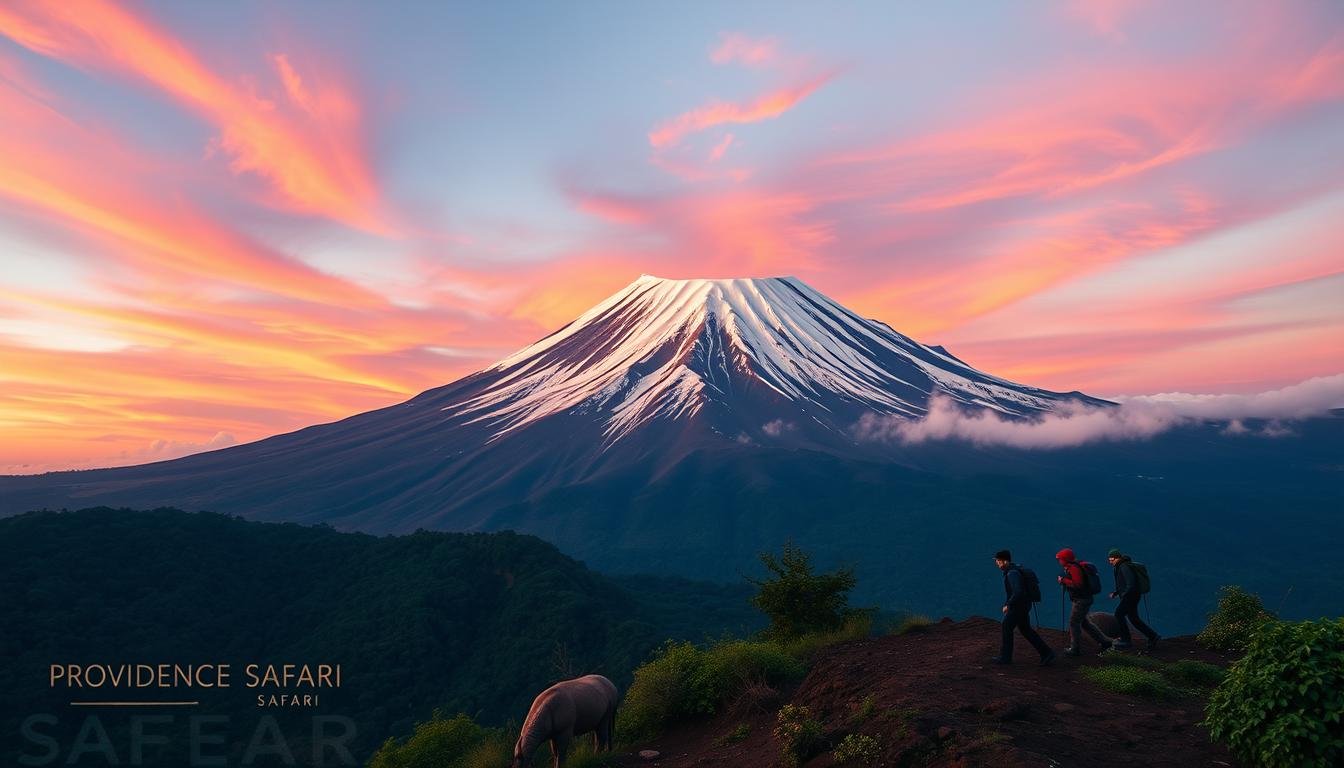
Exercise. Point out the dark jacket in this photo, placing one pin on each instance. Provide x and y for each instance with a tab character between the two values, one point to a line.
1075	580
1014	587
1125	580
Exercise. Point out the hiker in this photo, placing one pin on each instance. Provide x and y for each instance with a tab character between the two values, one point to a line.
1022	589
1081	581
1130	590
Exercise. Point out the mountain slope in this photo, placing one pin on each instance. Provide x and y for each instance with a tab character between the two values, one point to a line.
682	427
657	372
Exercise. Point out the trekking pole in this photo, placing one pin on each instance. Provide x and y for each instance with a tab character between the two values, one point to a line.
1061	608
1035	613
1145	610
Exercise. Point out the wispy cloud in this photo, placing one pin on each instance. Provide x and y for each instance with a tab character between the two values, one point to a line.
1135	418
768	106
735	48
306	141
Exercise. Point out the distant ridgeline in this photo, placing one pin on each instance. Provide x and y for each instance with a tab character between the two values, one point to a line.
477	623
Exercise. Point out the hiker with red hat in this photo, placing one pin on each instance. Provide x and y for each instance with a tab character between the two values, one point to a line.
1082	582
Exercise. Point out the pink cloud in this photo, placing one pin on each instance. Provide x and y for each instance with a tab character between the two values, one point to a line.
740	49
765	107
716	154
308	144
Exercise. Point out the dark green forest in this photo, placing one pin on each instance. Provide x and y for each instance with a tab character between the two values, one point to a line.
475	623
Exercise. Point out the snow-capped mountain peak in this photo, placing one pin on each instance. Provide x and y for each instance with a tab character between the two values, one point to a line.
670	349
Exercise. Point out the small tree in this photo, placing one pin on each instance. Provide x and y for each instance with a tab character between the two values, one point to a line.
1230	627
798	601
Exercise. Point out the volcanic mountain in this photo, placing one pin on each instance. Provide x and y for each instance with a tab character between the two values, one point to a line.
659	371
683	426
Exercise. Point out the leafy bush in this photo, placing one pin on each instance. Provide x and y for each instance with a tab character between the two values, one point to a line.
798	733
865	710
912	623
1282	704
436	743
494	752
1196	673
1132	681
684	681
728	667
798	601
856	748
1230	627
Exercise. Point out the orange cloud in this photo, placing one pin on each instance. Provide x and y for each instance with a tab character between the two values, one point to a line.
766	107
307	146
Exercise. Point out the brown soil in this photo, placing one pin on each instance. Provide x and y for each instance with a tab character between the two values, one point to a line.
937	701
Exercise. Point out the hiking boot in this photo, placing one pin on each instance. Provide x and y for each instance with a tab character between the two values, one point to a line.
1152	644
1000	661
1106	648
1073	650
1048	659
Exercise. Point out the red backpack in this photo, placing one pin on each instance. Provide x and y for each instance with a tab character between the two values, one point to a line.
1093	578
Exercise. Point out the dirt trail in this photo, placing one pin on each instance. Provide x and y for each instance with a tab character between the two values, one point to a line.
937	701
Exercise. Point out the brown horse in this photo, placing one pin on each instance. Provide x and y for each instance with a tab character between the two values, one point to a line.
567	709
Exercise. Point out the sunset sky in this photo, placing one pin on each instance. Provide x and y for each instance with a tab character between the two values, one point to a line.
222	221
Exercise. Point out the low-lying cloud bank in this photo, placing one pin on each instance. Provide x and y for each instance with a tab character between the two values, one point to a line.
1135	418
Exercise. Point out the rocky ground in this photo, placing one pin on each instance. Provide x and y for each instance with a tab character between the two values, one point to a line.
931	698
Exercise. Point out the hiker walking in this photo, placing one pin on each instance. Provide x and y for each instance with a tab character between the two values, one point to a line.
1022	588
1131	584
1082	582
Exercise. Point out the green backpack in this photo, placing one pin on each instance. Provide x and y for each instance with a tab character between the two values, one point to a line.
1141	576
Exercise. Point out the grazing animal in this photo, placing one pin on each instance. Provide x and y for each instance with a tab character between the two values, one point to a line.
567	709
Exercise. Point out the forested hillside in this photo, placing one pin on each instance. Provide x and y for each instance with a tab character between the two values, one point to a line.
476	623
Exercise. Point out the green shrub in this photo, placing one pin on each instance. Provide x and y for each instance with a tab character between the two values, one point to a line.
660	692
798	601
912	623
684	681
798	733
494	752
726	668
436	743
865	711
1230	627
1282	704
1132	681
856	748
1196	673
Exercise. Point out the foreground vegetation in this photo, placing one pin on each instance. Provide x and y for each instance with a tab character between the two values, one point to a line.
1282	704
475	623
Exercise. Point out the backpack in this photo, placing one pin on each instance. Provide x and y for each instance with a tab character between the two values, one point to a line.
1093	578
1030	584
1141	576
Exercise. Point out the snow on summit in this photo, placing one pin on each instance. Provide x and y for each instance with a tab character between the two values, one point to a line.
773	347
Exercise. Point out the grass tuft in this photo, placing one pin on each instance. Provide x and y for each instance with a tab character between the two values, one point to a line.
912	623
1132	681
